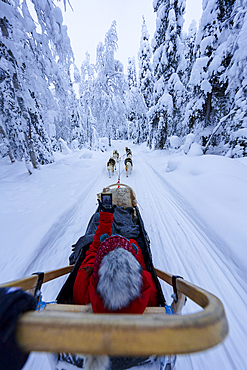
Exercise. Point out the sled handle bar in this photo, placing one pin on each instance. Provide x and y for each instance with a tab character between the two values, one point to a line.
29	283
72	329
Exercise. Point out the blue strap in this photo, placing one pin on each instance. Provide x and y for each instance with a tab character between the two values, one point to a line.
169	310
42	305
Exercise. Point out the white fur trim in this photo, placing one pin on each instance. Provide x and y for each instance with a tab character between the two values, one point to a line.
120	279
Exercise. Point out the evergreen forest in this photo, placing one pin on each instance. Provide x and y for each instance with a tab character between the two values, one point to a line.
182	87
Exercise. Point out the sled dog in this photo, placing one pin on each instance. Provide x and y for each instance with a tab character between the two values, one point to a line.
116	156
128	152
111	166
128	165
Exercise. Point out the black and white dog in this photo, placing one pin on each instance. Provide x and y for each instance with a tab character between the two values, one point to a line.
128	152
111	166
116	156
128	166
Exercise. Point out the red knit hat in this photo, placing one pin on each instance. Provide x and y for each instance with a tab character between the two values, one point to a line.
108	245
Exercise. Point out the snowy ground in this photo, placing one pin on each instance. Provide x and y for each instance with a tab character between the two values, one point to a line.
194	209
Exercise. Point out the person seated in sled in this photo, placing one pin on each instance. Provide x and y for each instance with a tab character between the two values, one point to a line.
113	276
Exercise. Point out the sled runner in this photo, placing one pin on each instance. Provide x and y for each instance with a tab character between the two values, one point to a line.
68	328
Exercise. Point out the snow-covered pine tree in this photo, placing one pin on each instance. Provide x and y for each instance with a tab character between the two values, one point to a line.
161	7
86	91
76	139
131	73
37	137
169	64
136	110
59	57
189	54
36	80
30	66
235	137
15	116
136	107
146	78
98	98
11	131
209	112
132	82
109	88
10	119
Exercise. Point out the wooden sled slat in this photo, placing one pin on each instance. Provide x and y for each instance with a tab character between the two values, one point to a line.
61	330
87	309
197	295
30	282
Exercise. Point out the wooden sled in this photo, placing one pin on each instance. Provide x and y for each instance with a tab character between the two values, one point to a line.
122	195
74	329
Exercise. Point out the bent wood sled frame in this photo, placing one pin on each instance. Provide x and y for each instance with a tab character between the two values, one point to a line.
72	329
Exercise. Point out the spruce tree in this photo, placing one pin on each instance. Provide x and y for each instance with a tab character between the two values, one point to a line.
235	125
210	102
86	90
35	68
131	73
109	88
146	78
15	119
169	92
136	107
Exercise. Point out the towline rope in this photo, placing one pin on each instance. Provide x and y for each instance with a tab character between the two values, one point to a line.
119	173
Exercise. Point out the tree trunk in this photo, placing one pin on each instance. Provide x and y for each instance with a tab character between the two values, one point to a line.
34	159
11	157
4	27
208	109
31	150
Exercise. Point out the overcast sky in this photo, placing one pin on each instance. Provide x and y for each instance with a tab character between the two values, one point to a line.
90	20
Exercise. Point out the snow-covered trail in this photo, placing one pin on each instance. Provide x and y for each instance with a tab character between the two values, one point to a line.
55	246
181	244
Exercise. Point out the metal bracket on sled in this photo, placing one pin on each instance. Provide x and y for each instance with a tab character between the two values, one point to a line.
174	284
37	292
